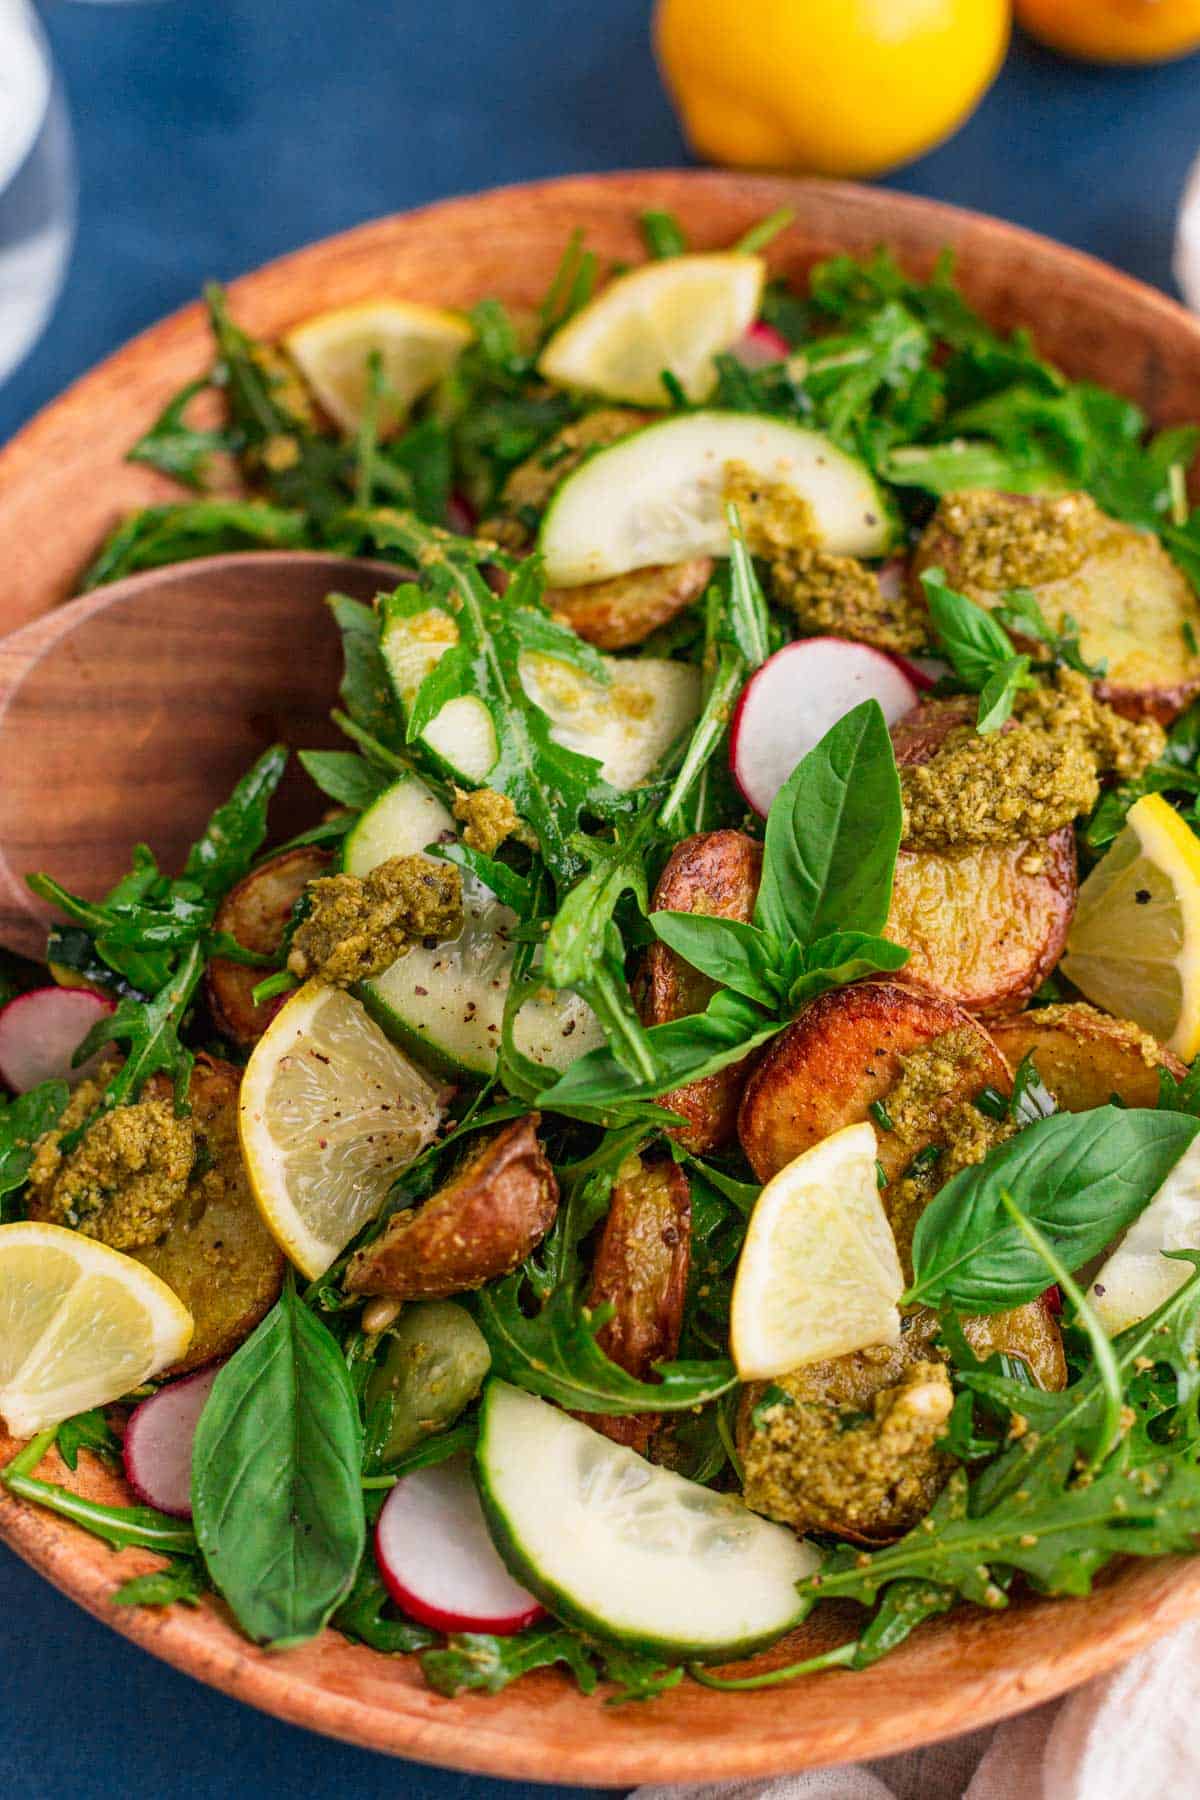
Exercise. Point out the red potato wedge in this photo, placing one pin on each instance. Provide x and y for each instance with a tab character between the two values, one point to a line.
217	1254
616	614
483	1223
716	873
256	913
1130	601
1085	1057
985	923
641	1268
842	1053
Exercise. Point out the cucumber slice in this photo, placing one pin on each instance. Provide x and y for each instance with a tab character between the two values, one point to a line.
657	496
627	725
618	1547
446	1004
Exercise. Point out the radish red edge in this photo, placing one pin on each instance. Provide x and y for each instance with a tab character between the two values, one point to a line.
40	1031
157	1450
437	1559
760	345
789	704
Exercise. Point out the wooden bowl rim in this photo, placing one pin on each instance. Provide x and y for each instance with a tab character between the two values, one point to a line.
1124	1614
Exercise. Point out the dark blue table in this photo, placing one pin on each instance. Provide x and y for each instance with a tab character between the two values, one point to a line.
214	134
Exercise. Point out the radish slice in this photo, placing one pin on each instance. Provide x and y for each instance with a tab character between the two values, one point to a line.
923	671
158	1443
761	345
789	704
437	1558
40	1032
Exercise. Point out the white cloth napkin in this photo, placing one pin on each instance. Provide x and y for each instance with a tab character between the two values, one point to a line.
1131	1735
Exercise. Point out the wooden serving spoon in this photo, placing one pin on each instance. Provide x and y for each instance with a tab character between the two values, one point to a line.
127	715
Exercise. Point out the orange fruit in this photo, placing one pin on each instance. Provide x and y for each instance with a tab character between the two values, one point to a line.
1121	31
840	87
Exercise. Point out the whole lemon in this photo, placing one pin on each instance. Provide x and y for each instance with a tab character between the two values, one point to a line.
832	87
1114	30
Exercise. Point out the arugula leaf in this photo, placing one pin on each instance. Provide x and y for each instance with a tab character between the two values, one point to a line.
233	836
366	690
178	449
368	1615
23	1120
475	1662
349	779
548	784
276	1499
88	1431
150	1032
833	833
174	533
1080	1177
663	233
120	1527
181	1580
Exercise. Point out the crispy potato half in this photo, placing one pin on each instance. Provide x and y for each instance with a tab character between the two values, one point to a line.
256	913
217	1254
985	923
1130	601
840	1054
621	612
641	1267
483	1223
1085	1057
855	1453
716	873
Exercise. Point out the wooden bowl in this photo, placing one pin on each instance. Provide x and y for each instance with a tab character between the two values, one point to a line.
63	485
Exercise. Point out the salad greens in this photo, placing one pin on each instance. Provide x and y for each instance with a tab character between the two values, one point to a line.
291	1464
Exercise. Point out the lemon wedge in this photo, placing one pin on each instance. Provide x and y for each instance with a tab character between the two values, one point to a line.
330	1114
80	1325
1137	1277
818	1274
676	314
416	345
1134	943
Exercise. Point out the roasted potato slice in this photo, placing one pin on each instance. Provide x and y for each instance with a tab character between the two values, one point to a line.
623	611
1085	1057
256	913
1130	601
483	1223
853	1449
217	1254
641	1267
842	1053
716	873
985	923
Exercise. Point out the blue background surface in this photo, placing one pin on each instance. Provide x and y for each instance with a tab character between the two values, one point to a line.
214	134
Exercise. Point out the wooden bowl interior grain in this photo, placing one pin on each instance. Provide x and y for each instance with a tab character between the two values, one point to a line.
63	485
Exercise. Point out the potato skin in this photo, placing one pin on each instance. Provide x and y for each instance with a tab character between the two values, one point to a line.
217	1254
621	612
985	923
841	1053
716	873
1030	1332
641	1265
256	913
1085	1057
483	1223
1130	600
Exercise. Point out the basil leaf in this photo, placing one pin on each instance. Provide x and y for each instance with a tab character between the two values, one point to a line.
844	956
999	692
684	1050
1080	1177
973	642
832	835
737	955
276	1495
